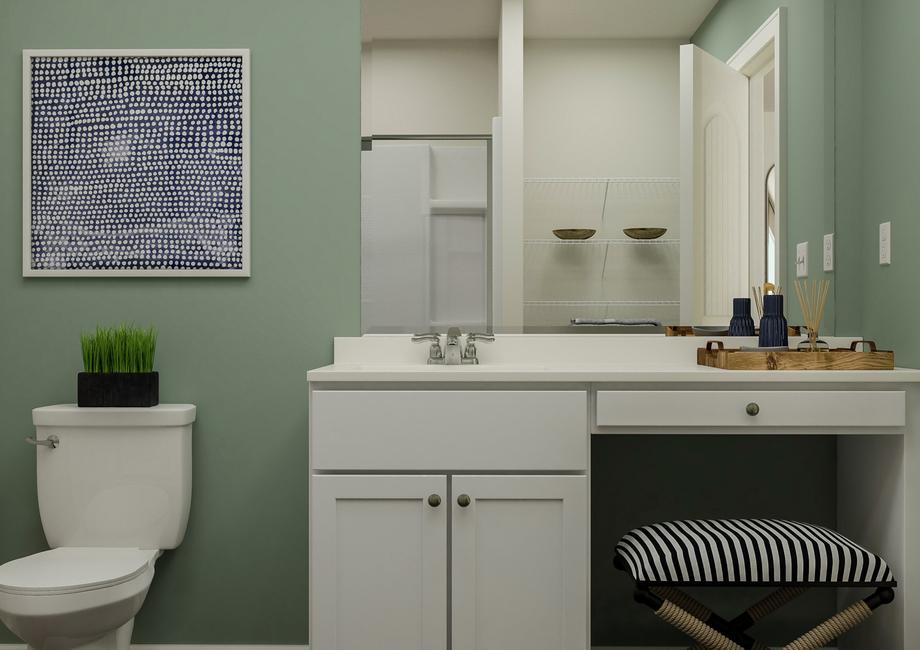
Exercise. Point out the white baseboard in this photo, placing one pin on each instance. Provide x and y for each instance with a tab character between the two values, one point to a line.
179	646
167	646
216	646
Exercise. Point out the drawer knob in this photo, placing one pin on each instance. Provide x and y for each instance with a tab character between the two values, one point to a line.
434	500
463	500
752	409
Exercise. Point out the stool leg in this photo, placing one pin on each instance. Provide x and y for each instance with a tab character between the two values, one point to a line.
706	615
685	601
696	629
765	606
842	622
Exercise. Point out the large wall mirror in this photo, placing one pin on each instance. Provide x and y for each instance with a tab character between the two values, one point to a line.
579	166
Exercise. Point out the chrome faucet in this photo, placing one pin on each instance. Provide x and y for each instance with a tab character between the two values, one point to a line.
453	353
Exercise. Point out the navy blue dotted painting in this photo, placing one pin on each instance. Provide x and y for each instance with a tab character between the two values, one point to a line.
137	163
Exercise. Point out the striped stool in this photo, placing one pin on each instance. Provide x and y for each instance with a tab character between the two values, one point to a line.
787	555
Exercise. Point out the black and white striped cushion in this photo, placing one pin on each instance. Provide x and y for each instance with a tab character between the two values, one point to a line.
748	551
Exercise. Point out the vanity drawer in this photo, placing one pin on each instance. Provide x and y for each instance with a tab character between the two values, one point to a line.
449	430
767	408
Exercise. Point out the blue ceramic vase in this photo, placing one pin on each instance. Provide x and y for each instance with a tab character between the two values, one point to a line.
741	323
774	332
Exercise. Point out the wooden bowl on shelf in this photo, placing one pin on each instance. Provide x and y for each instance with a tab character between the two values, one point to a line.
574	233
644	233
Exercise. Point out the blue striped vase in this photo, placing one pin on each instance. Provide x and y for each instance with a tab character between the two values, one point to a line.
774	332
741	323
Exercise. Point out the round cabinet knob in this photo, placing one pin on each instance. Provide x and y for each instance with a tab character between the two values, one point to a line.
752	409
434	500
463	500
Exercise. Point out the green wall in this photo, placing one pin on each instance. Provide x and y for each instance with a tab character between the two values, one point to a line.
810	104
849	164
238	348
891	160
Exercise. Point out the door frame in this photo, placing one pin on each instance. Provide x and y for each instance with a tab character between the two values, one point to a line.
749	59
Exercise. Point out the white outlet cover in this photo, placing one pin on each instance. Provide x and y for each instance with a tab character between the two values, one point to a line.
829	252
801	260
884	243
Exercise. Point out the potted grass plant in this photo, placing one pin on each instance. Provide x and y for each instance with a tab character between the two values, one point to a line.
118	367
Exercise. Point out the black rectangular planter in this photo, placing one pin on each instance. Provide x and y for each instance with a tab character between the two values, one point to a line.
118	388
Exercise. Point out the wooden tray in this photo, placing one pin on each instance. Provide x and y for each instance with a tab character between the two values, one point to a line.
715	355
687	330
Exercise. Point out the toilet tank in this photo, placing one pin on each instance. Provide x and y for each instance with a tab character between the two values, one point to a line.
119	477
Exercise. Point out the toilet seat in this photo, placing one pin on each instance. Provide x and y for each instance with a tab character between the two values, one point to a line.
73	570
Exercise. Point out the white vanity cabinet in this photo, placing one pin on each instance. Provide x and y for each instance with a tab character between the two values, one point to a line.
450	505
519	562
449	518
379	575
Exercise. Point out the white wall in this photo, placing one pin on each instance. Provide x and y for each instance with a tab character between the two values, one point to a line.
510	199
600	109
440	86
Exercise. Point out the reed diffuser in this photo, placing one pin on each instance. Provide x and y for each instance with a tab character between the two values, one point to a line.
812	298
759	292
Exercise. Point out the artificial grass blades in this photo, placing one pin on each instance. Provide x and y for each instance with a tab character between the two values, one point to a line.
121	348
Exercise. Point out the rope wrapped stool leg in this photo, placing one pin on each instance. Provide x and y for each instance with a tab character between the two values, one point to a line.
757	646
691	605
696	629
684	601
773	602
834	627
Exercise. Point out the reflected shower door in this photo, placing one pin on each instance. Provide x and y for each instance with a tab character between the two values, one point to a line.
424	236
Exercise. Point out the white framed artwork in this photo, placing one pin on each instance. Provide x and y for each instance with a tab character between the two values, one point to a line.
135	163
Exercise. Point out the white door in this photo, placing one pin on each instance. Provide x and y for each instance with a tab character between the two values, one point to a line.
519	563
714	131
379	563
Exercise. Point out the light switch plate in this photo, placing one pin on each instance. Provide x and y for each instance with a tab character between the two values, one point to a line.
829	252
801	260
884	243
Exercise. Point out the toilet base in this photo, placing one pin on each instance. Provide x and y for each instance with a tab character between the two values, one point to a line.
118	639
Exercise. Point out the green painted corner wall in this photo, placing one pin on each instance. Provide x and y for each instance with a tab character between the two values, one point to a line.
238	348
810	104
891	160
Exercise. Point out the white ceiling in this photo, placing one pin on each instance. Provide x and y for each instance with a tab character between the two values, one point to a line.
413	19
429	19
614	18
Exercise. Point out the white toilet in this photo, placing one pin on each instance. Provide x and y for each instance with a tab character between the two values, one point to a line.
114	491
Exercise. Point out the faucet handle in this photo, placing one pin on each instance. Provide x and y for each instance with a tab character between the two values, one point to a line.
469	354
435	353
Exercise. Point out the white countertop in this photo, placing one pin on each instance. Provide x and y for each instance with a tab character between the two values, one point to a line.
594	358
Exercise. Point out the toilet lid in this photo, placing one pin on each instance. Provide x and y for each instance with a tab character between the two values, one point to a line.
69	570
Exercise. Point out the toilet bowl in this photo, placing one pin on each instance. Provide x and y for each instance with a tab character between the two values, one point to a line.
113	490
75	597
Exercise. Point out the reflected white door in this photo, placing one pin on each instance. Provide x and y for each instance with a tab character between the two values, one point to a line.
714	128
380	563
519	563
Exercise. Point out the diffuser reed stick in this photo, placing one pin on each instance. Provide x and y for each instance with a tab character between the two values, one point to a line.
812	299
760	292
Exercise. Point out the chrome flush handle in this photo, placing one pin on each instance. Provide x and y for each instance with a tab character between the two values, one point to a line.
51	441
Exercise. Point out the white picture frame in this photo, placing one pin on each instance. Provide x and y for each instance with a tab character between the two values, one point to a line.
27	262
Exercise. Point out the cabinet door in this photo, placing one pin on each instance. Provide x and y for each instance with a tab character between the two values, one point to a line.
379	563
519	563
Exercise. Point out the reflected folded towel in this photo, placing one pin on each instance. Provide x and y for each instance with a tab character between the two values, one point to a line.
617	321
